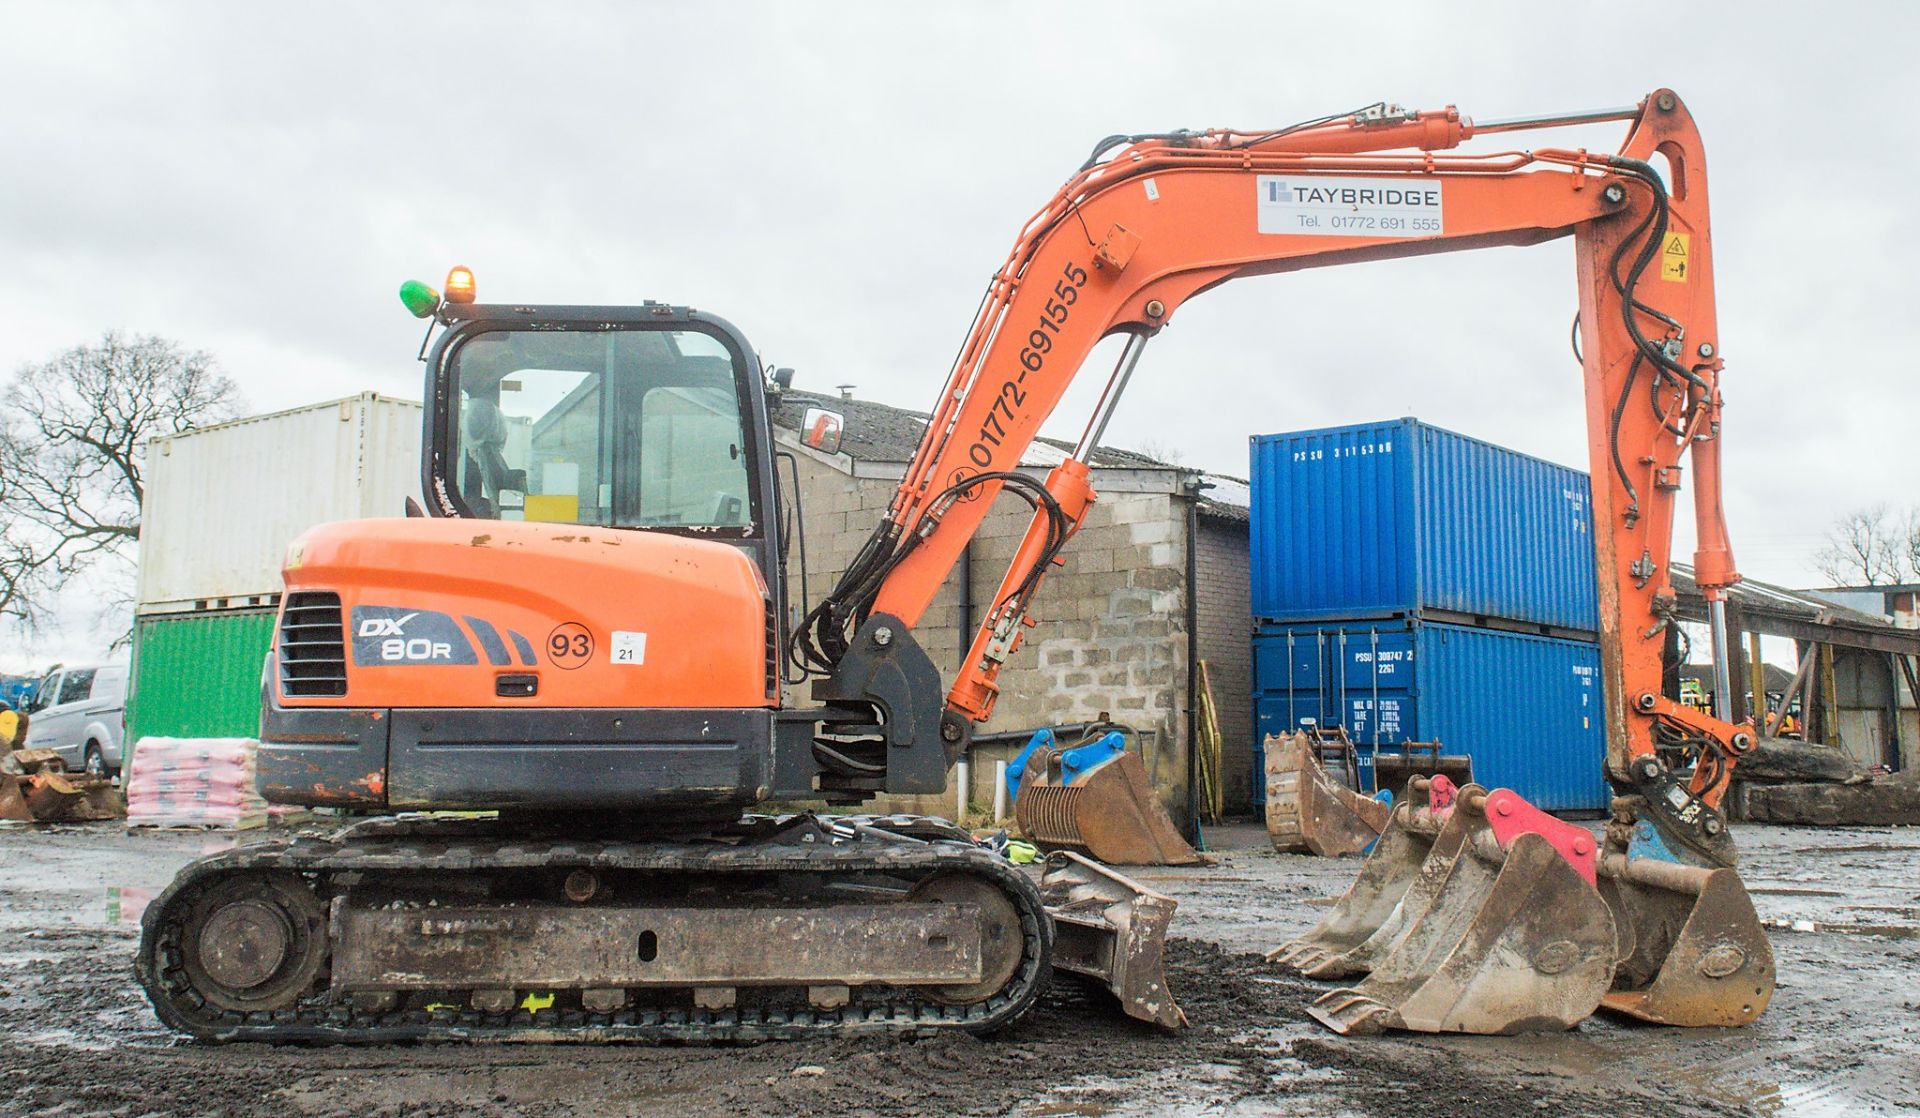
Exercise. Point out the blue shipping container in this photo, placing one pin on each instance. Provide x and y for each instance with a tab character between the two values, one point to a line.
1526	708
1400	518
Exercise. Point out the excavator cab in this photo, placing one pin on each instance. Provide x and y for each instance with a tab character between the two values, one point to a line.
589	616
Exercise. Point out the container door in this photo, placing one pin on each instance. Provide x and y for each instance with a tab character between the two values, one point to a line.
1291	684
1376	674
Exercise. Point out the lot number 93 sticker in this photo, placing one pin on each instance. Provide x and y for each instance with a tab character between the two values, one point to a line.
570	646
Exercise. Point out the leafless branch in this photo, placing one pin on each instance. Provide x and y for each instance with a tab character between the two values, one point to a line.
73	437
1871	547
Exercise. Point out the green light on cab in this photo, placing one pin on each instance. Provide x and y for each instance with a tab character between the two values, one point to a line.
420	299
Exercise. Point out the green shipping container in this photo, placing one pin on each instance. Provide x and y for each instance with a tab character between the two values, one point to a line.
197	675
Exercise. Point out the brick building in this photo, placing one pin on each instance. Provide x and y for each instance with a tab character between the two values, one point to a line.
1155	580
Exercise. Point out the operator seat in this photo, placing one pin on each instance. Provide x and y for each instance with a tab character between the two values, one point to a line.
486	471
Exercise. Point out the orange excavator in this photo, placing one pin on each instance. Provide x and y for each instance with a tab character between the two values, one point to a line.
585	634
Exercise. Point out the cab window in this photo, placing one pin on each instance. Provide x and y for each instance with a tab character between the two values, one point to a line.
625	428
75	687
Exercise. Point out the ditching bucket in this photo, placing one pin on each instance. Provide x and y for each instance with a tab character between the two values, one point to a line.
1401	857
1307	809
1109	812
1692	950
1114	930
1517	938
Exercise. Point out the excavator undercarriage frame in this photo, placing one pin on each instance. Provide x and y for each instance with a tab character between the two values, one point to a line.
788	927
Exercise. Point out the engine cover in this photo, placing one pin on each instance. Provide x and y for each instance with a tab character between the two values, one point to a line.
485	664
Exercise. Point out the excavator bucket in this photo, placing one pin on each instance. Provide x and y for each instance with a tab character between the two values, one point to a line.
1692	950
1109	812
1307	809
1113	930
1517	938
1397	884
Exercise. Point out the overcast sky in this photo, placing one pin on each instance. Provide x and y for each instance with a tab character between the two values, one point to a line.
840	180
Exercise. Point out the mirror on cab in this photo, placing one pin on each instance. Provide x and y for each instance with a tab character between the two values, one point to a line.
821	430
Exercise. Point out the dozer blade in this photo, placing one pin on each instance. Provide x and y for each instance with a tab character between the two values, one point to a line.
1516	940
1309	810
1114	930
1402	856
1109	812
1693	952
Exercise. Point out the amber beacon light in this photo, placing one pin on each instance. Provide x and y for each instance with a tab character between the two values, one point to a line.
460	285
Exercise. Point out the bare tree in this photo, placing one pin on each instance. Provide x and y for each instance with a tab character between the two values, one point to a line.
73	435
1871	547
1909	543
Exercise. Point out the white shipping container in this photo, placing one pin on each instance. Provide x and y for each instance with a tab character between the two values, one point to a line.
223	502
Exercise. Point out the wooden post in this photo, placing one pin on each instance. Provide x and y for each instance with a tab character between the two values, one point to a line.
1829	698
1212	748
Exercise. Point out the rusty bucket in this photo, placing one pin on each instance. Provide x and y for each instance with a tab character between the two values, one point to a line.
1692	949
1516	938
1109	812
1401	857
1308	810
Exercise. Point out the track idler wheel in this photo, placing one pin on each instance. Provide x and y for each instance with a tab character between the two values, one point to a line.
254	942
1000	933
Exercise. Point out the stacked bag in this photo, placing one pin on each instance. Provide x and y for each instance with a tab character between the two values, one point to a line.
194	782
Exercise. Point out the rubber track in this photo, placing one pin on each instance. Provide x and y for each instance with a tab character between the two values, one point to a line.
157	966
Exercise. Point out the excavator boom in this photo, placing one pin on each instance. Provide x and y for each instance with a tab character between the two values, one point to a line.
1136	233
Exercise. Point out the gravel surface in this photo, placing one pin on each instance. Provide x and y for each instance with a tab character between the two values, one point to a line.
1842	1036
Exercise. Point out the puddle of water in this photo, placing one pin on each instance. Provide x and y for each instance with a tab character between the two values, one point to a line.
1793	891
1804	1100
1858	848
1894	931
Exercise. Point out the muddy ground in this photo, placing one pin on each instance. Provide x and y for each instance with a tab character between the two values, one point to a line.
1842	1037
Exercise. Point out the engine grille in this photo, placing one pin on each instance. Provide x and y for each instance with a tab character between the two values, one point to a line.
313	648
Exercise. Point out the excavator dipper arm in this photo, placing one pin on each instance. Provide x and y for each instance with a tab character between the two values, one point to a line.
1134	235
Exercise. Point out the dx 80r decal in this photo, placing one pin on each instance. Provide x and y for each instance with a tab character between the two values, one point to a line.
392	635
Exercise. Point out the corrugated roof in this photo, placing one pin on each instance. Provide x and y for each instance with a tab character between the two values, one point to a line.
1768	598
877	432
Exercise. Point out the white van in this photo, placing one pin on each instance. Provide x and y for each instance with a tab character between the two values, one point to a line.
80	713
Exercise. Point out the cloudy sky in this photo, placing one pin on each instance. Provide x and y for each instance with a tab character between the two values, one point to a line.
841	179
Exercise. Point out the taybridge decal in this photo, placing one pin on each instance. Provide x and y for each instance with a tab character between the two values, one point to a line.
1341	207
388	635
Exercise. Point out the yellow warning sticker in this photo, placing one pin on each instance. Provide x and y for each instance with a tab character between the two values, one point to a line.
1673	258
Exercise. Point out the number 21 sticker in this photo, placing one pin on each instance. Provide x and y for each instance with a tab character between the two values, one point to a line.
628	648
570	646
